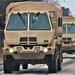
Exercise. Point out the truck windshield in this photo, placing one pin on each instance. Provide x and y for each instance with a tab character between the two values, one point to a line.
64	28
16	23
39	22
71	28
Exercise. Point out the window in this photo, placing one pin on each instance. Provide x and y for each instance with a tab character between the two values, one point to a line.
71	28
39	22
17	22
64	28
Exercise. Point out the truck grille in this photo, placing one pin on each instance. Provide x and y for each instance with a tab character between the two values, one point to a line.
67	40
23	39
63	39
30	40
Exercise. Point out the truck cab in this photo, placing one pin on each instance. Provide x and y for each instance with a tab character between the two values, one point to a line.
31	36
68	35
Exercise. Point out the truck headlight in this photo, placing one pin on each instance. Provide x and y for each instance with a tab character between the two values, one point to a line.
45	49
11	50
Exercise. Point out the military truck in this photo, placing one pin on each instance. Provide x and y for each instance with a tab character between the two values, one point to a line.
32	36
68	37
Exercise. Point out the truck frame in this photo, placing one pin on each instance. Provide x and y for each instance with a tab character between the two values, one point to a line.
32	36
68	40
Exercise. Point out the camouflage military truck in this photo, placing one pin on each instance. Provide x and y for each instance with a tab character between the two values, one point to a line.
32	36
68	36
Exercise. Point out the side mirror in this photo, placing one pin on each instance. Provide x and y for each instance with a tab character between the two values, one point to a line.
59	22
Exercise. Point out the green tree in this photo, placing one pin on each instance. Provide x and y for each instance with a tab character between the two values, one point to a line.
66	11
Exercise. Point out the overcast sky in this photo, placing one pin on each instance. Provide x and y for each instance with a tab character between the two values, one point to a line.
70	4
66	3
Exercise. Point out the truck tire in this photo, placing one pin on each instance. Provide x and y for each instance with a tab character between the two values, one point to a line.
24	66
59	64
60	59
52	63
16	67
8	65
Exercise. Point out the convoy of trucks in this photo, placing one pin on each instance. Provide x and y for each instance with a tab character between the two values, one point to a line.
33	34
68	36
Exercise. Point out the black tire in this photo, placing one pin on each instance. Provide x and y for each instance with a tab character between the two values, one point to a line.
8	65
52	63
59	64
60	59
24	66
16	67
52	67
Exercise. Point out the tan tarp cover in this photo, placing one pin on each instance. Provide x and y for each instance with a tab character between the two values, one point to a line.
34	6
68	19
37	6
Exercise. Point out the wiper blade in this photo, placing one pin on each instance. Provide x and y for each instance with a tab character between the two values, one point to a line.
70	26
37	14
21	17
35	18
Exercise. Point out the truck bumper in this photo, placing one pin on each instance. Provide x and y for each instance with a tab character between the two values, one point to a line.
23	56
37	52
68	48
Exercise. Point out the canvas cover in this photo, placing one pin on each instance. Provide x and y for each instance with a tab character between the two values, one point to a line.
68	19
37	6
33	6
